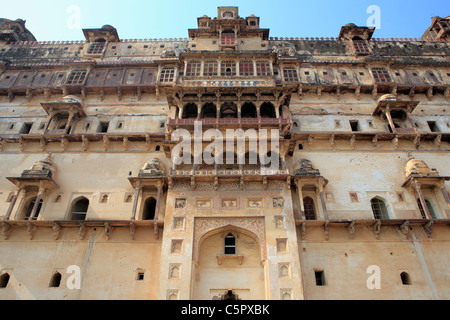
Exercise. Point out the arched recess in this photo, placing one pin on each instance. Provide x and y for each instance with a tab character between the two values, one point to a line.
209	110
79	209
28	208
248	110
217	272
190	111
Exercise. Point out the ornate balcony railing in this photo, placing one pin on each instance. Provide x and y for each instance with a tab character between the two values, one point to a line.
235	121
406	130
230	172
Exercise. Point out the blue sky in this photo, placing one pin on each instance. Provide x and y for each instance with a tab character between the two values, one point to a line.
140	19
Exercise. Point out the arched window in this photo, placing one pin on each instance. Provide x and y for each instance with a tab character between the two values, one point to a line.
149	209
430	209
209	111
228	110
267	110
190	111
79	209
230	244
55	281
379	209
248	110
406	279
4	279
310	210
29	208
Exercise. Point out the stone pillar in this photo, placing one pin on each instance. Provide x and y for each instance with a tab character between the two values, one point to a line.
158	198
69	120
299	185
416	186
199	110
135	201
322	198
36	204
391	122
13	203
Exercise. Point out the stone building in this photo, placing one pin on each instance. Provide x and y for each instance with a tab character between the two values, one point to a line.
93	204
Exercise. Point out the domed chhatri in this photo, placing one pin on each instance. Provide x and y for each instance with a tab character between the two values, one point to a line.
43	168
418	167
152	168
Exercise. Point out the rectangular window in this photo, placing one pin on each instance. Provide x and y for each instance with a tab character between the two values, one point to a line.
320	278
193	68
361	47
433	126
228	68
290	74
26	128
167	74
354	124
103	127
381	75
96	48
228	38
230	244
210	68
77	77
246	68
263	68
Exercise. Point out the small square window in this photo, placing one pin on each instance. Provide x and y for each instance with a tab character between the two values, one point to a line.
354	124
140	276
361	73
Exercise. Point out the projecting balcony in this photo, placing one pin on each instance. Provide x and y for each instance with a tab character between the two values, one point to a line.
406	130
230	122
230	172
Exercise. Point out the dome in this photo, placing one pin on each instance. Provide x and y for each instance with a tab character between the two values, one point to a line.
71	99
350	25
152	168
418	167
391	97
108	27
42	168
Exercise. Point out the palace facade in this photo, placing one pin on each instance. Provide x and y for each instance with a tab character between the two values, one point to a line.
93	204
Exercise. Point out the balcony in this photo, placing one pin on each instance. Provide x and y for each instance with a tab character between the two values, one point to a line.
231	121
229	172
406	130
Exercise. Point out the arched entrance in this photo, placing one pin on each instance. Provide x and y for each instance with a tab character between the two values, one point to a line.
229	266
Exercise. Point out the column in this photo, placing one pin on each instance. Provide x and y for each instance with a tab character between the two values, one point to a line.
322	198
391	123
299	185
416	186
13	203
158	198
69	120
36	204
199	110
49	119
135	201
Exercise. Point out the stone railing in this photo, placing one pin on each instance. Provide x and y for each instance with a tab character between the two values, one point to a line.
229	172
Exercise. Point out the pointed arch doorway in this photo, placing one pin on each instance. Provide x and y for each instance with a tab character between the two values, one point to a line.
229	266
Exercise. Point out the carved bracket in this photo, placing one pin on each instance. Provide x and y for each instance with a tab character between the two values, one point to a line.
6	230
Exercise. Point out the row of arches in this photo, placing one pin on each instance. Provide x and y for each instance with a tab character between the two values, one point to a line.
379	209
229	110
80	206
